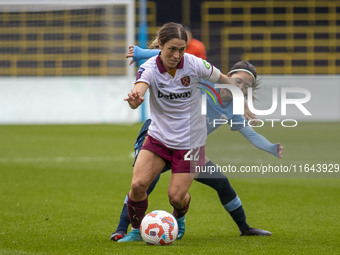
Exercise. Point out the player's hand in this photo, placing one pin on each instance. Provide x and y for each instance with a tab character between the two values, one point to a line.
130	54
134	99
279	150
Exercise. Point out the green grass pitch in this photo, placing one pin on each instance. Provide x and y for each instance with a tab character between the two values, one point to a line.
62	188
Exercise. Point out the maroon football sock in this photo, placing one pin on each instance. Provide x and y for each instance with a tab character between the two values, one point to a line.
180	212
136	210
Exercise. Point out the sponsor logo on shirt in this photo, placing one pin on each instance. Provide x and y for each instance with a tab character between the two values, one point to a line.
161	85
206	64
174	95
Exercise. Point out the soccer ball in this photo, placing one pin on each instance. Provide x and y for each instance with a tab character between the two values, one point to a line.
159	228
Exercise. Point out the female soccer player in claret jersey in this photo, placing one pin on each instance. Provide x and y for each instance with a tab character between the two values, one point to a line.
244	75
177	126
219	183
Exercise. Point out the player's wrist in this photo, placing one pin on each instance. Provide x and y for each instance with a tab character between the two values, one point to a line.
132	105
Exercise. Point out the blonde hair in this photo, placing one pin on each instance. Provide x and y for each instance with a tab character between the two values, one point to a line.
154	44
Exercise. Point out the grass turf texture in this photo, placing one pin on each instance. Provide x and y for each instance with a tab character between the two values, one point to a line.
62	187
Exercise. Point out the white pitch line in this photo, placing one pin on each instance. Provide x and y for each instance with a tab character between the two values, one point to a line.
62	159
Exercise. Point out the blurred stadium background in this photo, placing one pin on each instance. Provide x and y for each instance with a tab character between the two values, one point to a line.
65	62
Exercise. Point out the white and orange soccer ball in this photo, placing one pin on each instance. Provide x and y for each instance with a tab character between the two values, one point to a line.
159	228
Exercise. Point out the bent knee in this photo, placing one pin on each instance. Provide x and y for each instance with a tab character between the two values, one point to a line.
138	187
177	198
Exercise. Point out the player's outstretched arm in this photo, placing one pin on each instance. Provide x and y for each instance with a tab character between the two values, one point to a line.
136	96
261	142
137	53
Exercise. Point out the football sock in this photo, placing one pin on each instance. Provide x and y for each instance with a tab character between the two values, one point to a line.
180	212
124	220
226	193
219	182
236	211
239	217
136	210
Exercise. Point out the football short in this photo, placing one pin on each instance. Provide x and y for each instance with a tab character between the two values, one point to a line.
139	143
181	161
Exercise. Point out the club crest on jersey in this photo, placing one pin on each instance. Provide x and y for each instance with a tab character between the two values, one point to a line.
185	81
139	73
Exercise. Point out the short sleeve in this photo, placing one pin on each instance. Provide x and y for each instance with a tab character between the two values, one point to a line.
145	73
205	70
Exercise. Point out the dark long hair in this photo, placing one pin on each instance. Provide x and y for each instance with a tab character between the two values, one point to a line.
170	31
